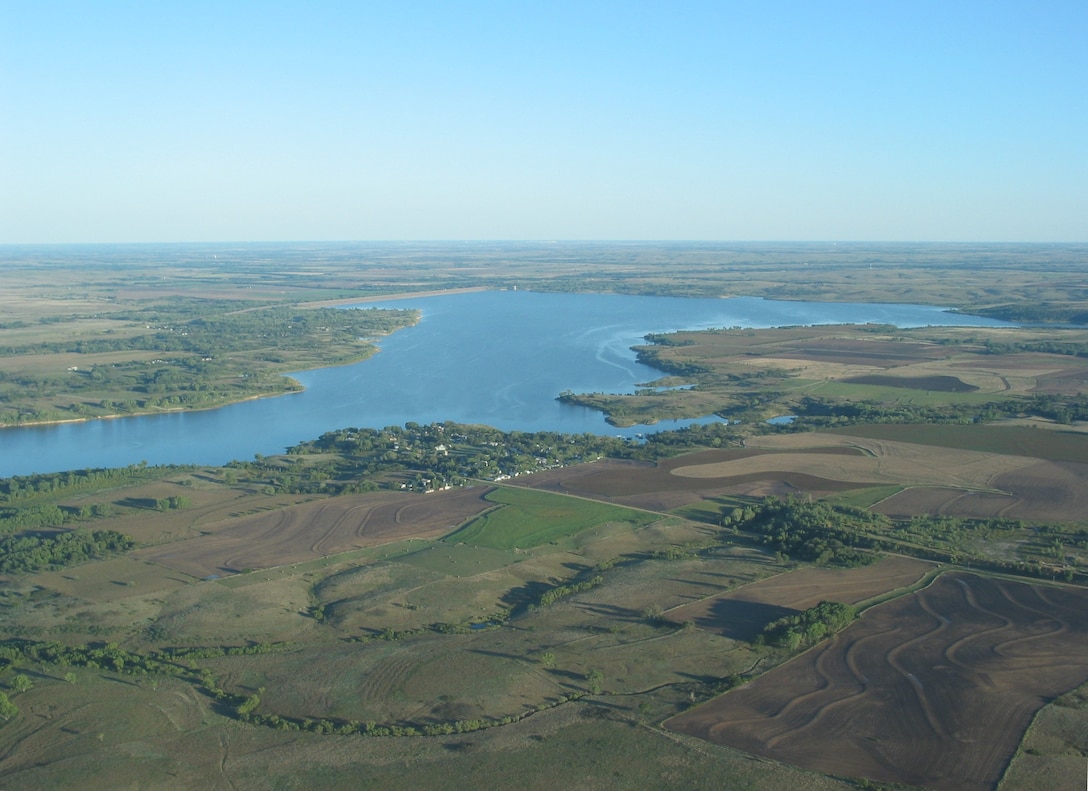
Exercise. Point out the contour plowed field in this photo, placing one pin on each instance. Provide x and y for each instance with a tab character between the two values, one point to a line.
741	614
934	689
1042	491
312	530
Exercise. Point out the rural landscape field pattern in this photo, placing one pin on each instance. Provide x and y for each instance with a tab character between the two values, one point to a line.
887	588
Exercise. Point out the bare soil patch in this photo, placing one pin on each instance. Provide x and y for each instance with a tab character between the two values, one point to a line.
1005	437
659	487
884	463
1069	381
934	689
741	614
1043	491
318	529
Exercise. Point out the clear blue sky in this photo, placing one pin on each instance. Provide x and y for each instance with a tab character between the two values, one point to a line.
215	121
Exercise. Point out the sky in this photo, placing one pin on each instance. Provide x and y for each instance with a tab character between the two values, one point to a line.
589	120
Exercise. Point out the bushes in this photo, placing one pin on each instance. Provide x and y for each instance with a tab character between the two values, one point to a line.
809	627
34	552
814	532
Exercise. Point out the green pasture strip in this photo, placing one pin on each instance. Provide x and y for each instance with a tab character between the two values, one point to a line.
531	518
1050	444
883	598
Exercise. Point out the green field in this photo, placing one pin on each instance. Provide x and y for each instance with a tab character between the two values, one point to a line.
527	519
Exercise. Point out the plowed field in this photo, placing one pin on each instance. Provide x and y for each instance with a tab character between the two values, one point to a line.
662	487
1042	491
741	614
934	689
313	530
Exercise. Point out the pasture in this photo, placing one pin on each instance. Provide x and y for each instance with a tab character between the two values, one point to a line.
316	529
527	519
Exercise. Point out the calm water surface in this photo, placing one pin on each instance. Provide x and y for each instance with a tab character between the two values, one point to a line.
498	358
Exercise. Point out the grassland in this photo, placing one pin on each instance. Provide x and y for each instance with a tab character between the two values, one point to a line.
531	519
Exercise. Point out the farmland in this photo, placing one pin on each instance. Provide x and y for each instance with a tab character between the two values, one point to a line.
607	596
537	610
826	374
934	689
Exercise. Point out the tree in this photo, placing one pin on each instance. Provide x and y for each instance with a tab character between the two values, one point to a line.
594	679
652	612
22	683
7	708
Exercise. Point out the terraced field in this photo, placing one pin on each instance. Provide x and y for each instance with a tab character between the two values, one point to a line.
934	689
741	614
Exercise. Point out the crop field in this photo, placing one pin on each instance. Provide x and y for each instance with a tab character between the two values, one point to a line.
894	476
659	487
934	689
316	529
741	614
756	374
1012	440
948	479
1043	491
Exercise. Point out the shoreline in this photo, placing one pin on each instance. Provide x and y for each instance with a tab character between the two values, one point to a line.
373	341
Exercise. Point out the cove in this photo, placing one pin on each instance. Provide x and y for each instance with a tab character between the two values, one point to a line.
493	357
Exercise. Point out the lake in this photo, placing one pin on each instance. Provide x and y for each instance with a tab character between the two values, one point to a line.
494	357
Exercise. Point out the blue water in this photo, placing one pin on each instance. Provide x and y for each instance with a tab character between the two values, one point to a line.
498	358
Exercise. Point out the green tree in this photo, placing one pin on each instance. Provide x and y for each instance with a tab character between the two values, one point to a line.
7	708
594	678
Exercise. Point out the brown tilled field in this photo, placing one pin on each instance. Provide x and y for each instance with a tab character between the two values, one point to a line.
316	529
874	461
660	487
954	481
1043	491
933	689
741	614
